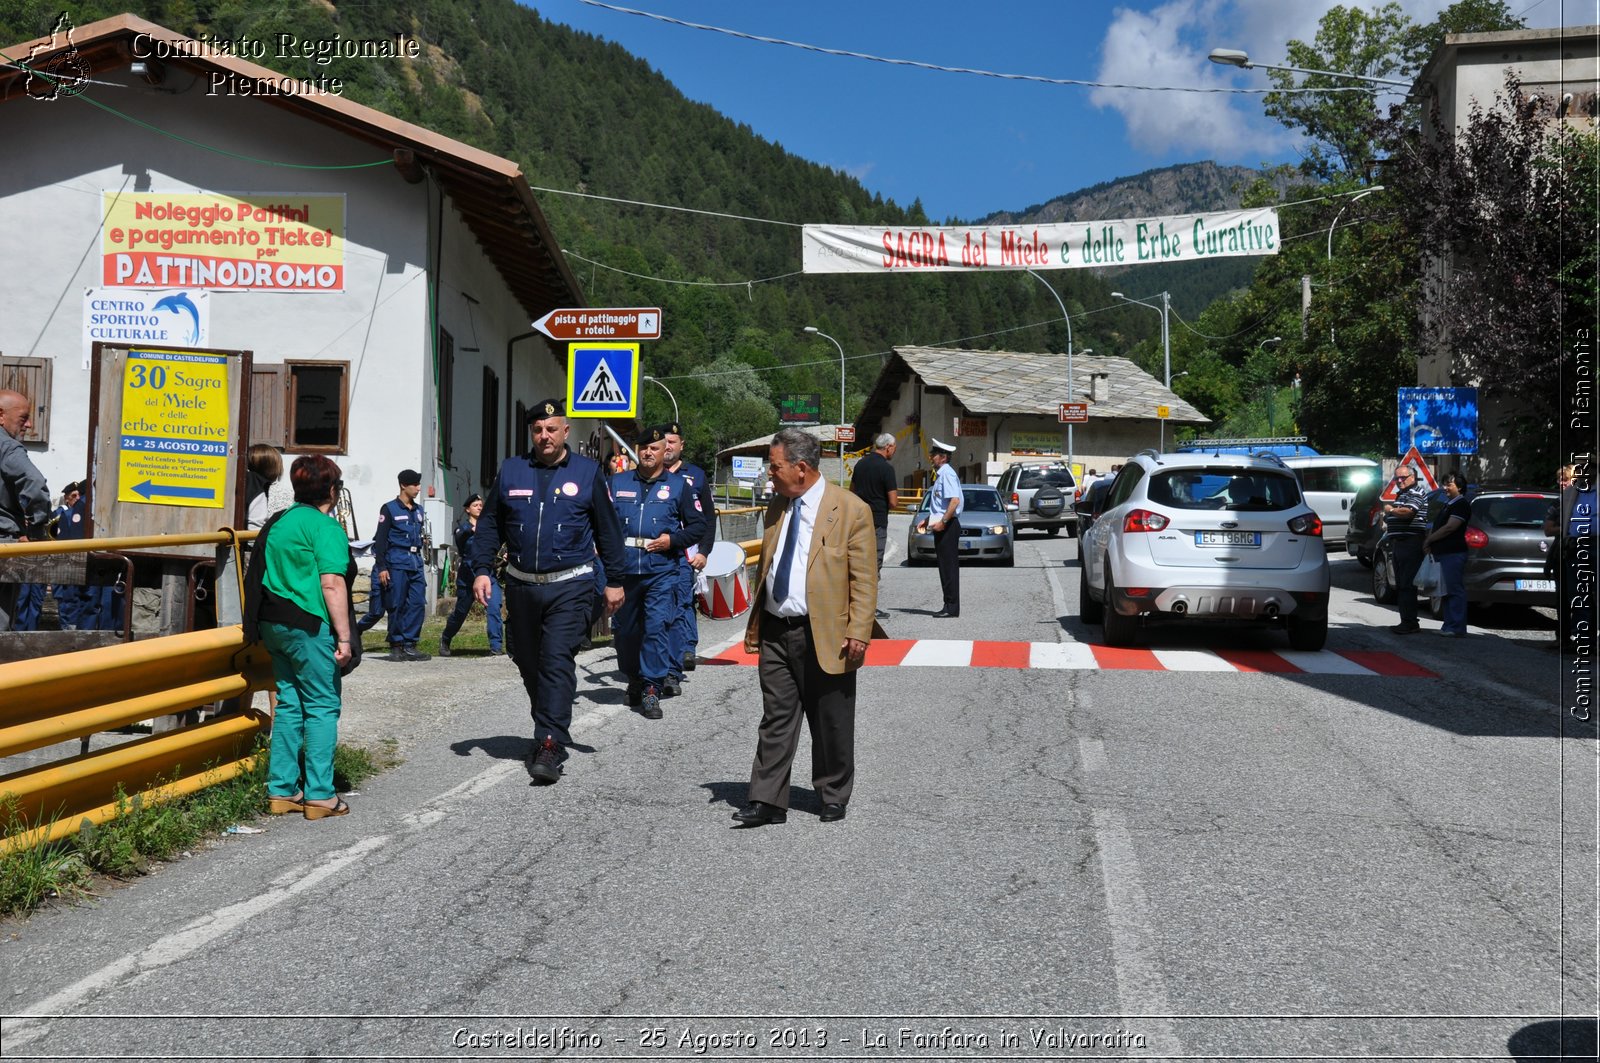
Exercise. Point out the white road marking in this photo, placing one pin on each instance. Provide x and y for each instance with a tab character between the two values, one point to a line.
1322	662
939	653
1061	655
1192	661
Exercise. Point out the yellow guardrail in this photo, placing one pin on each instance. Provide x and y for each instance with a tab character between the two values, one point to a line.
50	700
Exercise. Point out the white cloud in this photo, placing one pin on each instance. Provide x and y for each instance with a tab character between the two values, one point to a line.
1169	45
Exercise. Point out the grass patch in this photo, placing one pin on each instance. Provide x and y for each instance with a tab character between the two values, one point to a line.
145	833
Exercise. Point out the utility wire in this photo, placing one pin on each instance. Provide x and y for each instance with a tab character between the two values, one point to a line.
843	53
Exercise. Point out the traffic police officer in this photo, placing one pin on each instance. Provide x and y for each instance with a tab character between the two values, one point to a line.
686	626
550	509
660	517
398	563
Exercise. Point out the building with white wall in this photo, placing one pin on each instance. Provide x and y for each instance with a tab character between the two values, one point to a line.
402	341
1002	406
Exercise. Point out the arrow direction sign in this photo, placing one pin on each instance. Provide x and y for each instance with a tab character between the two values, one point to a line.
602	323
148	489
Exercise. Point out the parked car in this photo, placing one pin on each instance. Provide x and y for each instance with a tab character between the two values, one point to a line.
1330	483
1091	502
1205	537
1366	521
1506	551
1043	492
986	530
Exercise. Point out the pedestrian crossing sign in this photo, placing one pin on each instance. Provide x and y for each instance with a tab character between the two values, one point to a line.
602	379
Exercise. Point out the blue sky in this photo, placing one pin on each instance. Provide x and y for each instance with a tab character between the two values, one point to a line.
968	145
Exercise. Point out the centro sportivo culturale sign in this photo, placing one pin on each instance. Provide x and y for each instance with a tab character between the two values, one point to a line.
223	242
1062	245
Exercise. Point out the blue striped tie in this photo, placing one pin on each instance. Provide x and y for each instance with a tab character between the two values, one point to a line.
780	580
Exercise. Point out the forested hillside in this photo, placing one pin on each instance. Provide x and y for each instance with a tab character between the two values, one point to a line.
582	115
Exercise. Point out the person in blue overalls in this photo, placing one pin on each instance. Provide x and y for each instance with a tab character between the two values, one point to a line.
397	559
660	517
549	508
464	532
686	625
30	599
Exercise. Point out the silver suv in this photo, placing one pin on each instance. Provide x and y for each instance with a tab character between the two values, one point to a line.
1043	492
1201	537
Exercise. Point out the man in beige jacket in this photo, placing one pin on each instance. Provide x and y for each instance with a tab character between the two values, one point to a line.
813	615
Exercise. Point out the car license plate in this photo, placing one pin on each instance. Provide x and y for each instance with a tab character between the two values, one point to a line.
1536	585
969	544
1227	538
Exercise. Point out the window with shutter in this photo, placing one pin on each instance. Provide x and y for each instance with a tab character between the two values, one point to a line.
319	407
269	406
31	377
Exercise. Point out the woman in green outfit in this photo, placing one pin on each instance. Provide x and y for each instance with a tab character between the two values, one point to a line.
304	622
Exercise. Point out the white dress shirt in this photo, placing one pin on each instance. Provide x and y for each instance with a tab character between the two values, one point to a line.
795	604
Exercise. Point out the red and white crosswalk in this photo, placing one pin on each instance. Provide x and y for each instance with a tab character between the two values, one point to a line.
959	653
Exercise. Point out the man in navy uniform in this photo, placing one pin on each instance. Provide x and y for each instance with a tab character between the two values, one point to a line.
686	626
397	554
661	516
550	509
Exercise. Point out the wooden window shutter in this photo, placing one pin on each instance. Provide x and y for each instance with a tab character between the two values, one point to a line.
30	376
269	406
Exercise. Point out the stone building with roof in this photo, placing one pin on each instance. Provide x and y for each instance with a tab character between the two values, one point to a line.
417	352
998	407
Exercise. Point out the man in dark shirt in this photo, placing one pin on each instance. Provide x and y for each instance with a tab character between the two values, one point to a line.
874	483
1405	523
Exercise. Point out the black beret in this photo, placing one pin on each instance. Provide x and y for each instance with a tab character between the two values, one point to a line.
672	428
409	477
654	434
546	408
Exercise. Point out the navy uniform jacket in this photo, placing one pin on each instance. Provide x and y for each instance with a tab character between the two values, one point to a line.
464	532
649	507
700	484
399	542
71	524
549	517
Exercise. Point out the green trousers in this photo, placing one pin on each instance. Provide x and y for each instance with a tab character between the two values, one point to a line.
305	725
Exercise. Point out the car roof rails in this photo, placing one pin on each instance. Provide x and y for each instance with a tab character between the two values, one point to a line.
1276	459
1152	453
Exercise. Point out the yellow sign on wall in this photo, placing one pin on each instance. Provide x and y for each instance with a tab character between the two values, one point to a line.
173	448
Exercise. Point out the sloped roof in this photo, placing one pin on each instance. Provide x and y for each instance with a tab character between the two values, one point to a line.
491	193
824	432
1013	382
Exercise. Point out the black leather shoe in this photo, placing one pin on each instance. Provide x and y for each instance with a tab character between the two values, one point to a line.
671	689
397	655
635	693
688	662
945	614
444	647
544	762
411	653
832	812
883	614
759	814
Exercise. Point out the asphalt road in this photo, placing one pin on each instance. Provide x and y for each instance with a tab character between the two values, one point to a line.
1176	853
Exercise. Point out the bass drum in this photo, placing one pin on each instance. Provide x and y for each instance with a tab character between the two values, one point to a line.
722	589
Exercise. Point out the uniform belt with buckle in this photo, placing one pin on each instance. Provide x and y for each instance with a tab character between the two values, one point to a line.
547	577
637	541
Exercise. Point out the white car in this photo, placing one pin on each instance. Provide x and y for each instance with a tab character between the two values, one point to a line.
1201	537
1330	483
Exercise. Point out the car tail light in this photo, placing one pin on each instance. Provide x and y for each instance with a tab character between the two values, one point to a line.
1306	524
1476	538
1136	592
1014	501
1142	520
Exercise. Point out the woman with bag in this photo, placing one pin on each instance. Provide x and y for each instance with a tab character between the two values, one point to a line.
298	604
1447	543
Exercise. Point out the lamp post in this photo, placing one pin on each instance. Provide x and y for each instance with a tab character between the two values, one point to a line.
816	331
1164	310
670	395
1363	194
1235	57
1072	394
1272	396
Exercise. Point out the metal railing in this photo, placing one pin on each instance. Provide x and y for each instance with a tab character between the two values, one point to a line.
50	700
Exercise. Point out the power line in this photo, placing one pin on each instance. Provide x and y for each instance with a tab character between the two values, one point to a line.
846	54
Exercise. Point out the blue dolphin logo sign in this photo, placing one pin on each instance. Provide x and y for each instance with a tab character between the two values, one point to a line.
182	303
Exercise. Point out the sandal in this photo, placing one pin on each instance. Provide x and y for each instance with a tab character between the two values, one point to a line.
278	806
323	811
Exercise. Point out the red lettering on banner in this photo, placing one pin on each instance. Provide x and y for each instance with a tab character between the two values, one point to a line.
1018	251
911	250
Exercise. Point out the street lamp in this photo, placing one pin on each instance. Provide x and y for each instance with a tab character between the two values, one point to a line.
670	395
1166	337
1272	392
1364	193
1072	395
1235	57
816	331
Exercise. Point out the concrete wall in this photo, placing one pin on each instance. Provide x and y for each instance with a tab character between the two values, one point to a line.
64	154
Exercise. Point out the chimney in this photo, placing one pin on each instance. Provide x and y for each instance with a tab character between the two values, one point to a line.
1099	387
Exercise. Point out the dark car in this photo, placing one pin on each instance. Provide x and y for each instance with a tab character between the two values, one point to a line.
986	531
1366	522
1506	551
1091	503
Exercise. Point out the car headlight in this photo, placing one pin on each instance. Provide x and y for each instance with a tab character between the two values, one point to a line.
998	529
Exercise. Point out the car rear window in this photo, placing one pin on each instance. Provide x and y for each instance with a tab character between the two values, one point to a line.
981	502
1336	477
1036	478
1514	511
1259	490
